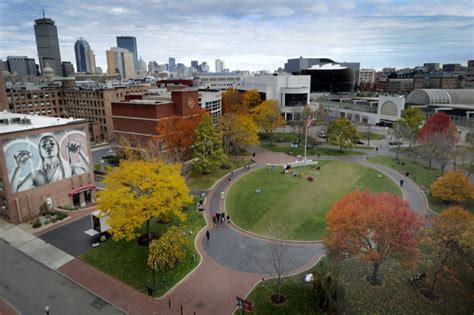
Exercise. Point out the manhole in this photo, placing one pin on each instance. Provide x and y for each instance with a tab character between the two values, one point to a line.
98	304
200	305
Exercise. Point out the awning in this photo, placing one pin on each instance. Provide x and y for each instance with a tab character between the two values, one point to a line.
81	189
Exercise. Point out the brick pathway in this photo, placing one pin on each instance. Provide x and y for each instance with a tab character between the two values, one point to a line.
6	308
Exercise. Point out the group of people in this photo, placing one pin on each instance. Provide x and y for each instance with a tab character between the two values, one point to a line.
220	217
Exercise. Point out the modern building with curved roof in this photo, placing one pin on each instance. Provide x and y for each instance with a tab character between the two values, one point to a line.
455	98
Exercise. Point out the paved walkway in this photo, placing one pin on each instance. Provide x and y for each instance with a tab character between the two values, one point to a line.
233	261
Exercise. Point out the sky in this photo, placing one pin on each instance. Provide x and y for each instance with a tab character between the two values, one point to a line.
252	34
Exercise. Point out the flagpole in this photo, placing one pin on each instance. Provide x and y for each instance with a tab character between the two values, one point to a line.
305	143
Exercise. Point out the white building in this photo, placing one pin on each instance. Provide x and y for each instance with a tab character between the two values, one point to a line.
220	81
220	65
212	102
290	91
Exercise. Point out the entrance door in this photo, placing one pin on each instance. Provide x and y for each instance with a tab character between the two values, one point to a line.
76	200
87	195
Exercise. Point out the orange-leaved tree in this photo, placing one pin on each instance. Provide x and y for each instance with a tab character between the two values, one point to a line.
178	132
453	187
268	117
373	227
449	234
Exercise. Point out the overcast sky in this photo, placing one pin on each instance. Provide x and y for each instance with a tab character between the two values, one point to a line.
252	34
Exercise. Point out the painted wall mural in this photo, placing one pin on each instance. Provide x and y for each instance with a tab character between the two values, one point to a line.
45	158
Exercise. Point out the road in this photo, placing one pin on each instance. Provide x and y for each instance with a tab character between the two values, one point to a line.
28	286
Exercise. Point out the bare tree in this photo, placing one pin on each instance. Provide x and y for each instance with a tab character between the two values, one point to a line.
277	261
400	131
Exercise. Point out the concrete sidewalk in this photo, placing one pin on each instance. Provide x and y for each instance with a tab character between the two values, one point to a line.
34	247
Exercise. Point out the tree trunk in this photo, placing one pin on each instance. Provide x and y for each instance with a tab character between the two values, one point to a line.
436	274
271	137
148	233
398	152
429	163
279	287
373	278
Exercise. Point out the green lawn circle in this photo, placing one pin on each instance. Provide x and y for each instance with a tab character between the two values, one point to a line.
295	206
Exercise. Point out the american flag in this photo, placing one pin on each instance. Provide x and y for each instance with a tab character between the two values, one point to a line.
309	121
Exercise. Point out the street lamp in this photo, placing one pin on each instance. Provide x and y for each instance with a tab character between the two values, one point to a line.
46	309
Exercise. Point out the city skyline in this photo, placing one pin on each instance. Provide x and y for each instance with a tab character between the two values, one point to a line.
378	33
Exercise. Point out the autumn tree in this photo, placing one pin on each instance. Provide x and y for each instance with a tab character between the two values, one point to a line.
251	99
438	137
447	236
453	187
178	132
341	132
138	191
373	227
231	102
268	117
168	250
413	117
207	150
321	115
239	130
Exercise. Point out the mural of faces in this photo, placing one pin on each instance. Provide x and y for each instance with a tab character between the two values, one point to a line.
45	158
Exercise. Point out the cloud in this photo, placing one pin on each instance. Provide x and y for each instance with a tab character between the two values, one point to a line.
252	35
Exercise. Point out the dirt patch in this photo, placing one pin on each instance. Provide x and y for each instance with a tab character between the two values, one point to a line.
279	300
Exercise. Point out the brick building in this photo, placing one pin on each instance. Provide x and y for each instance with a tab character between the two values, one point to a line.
43	160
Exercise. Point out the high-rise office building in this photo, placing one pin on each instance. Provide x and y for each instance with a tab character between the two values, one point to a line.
21	65
172	64
47	44
85	58
120	60
219	65
68	69
195	64
129	43
204	67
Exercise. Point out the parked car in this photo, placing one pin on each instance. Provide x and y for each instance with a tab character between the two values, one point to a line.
322	134
360	142
395	141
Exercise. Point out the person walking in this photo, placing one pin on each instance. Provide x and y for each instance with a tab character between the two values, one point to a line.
218	217
401	182
208	234
377	150
222	195
214	218
222	217
228	219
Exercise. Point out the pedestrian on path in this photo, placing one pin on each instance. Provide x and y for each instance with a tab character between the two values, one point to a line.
232	174
222	217
228	219
218	216
207	235
401	182
229	179
377	150
222	195
214	218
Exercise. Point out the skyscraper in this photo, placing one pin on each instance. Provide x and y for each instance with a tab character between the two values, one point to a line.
85	58
219	65
47	44
172	64
120	60
194	64
129	43
21	65
68	69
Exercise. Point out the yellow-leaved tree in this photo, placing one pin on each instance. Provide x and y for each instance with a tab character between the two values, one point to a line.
268	117
138	191
168	250
454	187
239	130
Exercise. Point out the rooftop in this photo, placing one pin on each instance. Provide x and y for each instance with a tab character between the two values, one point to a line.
441	96
12	122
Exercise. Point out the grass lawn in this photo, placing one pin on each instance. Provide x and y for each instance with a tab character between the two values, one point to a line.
373	136
420	175
198	181
285	148
283	136
395	296
126	260
295	203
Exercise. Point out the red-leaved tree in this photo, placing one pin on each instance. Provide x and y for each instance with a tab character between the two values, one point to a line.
439	122
373	227
178	132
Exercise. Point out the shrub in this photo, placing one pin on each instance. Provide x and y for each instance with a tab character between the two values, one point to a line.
36	224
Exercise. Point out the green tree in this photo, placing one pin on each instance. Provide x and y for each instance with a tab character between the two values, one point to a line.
207	151
413	117
341	132
251	99
268	117
138	191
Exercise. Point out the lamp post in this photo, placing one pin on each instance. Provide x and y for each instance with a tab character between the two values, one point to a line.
46	309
